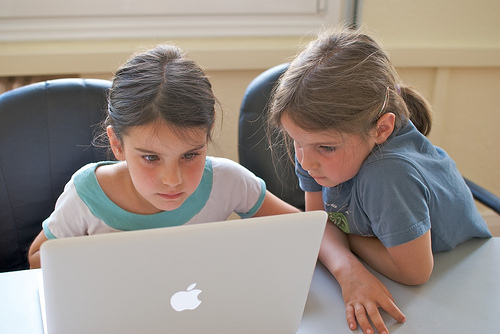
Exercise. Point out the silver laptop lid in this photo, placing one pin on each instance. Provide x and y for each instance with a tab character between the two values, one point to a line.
239	276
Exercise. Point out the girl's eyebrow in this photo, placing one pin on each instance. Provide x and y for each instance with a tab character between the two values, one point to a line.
326	143
330	143
143	150
194	148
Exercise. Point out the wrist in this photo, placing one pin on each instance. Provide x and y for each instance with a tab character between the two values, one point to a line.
344	268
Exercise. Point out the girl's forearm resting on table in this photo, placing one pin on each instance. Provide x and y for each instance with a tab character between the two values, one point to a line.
335	253
363	293
410	263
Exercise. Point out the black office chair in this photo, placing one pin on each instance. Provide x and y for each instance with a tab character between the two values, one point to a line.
46	132
273	166
254	152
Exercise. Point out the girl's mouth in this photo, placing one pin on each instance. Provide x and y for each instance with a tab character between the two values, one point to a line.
172	196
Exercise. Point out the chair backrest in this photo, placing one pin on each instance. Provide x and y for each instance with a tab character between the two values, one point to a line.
274	167
46	133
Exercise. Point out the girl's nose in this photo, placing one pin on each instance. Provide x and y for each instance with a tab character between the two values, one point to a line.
307	160
171	176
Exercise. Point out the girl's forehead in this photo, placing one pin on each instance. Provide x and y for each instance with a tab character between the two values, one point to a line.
299	133
154	134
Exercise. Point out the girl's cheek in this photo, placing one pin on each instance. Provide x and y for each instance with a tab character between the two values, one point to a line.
298	153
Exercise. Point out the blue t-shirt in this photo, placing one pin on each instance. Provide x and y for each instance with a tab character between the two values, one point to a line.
405	187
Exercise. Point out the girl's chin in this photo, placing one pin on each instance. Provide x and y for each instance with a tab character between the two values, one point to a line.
325	182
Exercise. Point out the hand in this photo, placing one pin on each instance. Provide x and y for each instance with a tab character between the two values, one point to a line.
363	295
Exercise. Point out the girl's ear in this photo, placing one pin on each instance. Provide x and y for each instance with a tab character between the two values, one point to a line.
384	128
115	143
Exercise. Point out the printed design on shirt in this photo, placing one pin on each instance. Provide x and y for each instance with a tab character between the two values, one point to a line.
338	216
340	220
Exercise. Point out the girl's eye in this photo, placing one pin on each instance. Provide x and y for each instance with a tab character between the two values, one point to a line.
150	158
190	156
328	149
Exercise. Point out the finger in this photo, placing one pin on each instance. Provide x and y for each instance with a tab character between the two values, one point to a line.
362	319
391	308
376	319
351	318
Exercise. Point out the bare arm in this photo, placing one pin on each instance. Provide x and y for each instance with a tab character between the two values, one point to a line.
363	293
410	263
273	205
34	252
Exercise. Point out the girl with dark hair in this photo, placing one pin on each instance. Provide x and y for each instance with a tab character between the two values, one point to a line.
161	111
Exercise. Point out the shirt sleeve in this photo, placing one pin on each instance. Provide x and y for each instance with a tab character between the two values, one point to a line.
396	201
237	188
66	219
71	216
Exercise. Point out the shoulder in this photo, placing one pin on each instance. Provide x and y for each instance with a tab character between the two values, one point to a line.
235	188
109	174
224	166
390	177
218	162
94	183
400	157
92	169
388	167
228	172
71	216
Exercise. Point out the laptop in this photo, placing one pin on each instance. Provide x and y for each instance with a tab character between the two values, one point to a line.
237	276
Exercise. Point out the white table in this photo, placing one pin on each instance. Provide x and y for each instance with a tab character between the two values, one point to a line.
462	296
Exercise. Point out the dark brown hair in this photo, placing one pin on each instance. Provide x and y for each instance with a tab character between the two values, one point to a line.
161	85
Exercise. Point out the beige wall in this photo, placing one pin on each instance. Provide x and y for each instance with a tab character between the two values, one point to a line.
430	23
449	49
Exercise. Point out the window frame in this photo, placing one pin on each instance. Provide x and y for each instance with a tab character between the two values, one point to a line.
33	20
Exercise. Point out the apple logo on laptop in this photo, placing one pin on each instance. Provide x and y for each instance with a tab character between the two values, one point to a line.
186	300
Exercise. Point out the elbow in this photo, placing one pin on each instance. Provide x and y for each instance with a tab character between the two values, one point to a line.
34	258
415	280
418	276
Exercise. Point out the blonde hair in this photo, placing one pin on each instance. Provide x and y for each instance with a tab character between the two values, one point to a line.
344	81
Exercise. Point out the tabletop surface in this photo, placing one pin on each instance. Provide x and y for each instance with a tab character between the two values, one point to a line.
462	296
